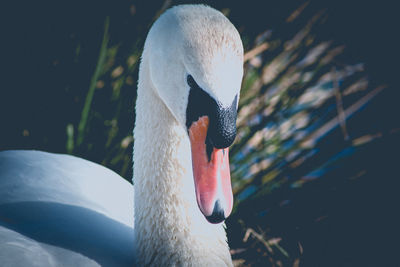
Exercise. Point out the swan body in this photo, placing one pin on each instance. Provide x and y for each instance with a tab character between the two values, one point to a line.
60	210
189	82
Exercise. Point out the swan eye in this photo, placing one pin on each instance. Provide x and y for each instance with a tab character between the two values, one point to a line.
191	82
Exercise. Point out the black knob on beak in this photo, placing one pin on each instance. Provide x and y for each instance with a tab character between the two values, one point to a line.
222	129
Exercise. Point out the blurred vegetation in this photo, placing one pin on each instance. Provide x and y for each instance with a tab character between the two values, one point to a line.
317	120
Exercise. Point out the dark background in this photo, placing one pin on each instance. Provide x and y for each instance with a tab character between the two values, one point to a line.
41	38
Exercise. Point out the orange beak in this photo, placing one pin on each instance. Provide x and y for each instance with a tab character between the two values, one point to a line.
212	177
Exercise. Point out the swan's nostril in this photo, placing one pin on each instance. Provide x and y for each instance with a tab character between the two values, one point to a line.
209	148
218	214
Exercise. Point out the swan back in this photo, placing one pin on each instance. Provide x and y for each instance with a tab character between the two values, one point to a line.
47	177
59	210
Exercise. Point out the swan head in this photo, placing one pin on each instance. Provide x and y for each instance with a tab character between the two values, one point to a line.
195	61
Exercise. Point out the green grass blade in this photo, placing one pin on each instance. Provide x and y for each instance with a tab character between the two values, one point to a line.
89	97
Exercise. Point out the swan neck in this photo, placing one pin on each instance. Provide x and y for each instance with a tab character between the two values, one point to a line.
169	226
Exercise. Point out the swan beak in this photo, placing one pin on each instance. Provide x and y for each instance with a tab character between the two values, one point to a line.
211	173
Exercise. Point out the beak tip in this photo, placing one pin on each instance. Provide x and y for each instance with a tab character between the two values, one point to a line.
218	214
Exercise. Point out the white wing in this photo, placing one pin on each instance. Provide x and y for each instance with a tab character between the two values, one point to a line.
59	210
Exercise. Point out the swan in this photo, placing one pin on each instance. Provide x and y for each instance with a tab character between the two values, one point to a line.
60	210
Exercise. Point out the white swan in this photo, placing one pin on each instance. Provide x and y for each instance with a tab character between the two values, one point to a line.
60	210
